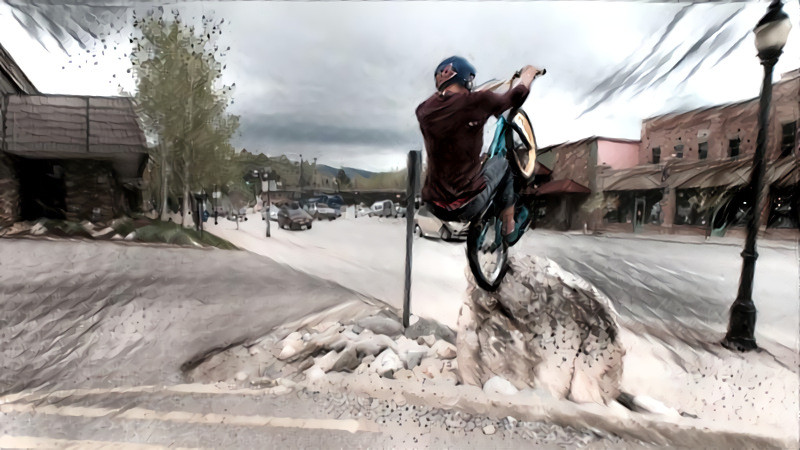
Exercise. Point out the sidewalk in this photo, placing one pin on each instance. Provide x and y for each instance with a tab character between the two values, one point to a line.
786	244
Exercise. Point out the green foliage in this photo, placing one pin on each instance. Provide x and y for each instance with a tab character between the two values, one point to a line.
344	180
181	102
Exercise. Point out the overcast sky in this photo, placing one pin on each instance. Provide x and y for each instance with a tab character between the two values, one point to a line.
340	81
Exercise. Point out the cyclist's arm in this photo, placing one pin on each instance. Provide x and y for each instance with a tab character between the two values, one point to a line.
495	104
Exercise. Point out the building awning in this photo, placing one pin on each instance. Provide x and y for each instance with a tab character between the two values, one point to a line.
540	169
565	186
784	172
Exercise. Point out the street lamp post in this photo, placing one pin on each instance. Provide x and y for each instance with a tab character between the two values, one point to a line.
215	196
266	173
771	34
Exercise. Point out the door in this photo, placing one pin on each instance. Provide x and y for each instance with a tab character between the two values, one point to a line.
638	214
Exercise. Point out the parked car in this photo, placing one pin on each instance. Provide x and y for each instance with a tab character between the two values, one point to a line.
241	215
293	217
426	224
321	211
383	208
362	210
399	210
273	213
334	201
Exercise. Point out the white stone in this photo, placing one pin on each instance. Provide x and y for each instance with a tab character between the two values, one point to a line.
38	229
314	373
326	362
404	375
654	406
241	376
254	350
444	349
499	385
489	429
372	344
428	340
131	236
387	361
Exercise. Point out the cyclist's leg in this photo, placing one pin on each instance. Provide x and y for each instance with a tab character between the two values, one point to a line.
499	188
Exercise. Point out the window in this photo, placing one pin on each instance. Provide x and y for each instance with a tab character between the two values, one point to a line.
702	150
679	151
733	147
656	155
788	139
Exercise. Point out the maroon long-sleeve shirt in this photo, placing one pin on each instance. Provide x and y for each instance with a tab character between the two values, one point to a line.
452	127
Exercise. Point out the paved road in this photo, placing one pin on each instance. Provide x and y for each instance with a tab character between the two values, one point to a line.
686	284
199	417
670	282
98	314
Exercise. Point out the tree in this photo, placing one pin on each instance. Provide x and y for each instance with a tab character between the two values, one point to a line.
176	67
342	178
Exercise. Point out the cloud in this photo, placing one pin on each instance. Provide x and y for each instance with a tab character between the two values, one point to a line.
342	79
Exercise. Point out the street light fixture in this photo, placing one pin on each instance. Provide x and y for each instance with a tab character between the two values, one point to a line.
771	33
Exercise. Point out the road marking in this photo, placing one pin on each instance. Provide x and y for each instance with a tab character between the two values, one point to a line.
348	425
8	441
193	388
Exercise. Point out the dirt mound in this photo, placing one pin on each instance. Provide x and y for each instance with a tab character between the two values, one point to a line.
544	329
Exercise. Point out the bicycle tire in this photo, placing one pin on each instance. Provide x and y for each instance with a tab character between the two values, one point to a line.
487	282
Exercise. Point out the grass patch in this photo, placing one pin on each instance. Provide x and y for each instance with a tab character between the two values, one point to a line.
173	233
143	229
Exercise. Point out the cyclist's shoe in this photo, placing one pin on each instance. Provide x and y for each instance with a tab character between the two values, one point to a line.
521	220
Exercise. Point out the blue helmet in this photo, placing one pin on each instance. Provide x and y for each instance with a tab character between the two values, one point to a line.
454	69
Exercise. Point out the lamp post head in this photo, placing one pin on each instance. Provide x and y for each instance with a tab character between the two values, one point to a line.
771	32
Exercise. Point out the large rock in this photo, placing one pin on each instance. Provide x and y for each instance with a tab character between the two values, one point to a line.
544	328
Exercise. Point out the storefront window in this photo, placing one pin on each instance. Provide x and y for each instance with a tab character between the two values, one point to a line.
784	208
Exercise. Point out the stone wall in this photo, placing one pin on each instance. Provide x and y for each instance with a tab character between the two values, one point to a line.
91	191
9	193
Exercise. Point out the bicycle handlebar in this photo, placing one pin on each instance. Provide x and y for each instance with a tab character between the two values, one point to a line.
518	73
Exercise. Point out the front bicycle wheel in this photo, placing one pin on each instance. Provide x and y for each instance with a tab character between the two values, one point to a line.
487	252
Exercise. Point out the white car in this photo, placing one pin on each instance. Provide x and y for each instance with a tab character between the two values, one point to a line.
426	224
321	211
383	208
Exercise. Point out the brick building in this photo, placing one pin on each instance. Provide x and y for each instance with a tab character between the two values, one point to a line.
66	157
564	197
694	168
688	175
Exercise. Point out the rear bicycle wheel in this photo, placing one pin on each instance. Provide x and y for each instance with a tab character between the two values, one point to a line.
487	252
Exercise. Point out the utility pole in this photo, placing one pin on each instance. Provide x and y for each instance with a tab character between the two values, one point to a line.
414	158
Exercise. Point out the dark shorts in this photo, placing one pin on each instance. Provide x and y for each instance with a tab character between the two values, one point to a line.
499	186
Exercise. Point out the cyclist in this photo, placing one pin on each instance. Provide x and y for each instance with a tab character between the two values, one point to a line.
457	185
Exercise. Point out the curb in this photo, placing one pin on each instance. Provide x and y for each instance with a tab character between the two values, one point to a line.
649	428
783	244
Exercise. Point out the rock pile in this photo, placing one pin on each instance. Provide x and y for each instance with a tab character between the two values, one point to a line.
373	344
376	343
543	329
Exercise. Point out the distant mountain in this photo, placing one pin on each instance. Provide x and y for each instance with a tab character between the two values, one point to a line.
349	171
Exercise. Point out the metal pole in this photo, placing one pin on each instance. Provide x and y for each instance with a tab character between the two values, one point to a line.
742	324
269	207
413	174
